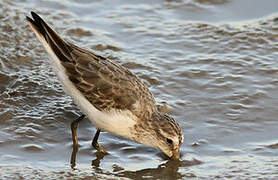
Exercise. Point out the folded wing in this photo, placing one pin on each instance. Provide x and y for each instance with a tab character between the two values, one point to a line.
104	83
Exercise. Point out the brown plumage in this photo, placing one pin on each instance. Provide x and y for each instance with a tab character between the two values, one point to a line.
112	97
104	83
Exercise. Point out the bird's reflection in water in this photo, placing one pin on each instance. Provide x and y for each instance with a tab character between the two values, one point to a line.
95	162
168	170
99	157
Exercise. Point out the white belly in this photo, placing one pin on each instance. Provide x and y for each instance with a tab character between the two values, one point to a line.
117	122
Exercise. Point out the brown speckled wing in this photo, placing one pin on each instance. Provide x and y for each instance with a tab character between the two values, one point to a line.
104	83
107	84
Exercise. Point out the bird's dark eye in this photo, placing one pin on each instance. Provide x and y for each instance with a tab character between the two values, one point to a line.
170	141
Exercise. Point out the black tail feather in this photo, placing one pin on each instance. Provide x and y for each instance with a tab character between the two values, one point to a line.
37	23
57	44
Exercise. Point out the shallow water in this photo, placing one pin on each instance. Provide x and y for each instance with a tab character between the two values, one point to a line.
214	63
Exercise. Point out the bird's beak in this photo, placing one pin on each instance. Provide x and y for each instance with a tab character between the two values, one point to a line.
176	154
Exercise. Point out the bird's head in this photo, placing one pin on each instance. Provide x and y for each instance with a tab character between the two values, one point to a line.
161	132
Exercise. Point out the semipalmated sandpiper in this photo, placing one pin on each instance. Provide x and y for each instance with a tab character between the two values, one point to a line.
111	96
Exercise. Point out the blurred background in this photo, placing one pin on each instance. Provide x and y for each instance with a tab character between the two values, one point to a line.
213	63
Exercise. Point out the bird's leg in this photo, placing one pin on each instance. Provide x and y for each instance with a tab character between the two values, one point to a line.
95	143
74	125
73	156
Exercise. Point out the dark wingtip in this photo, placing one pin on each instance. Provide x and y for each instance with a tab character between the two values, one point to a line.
29	19
36	17
37	23
58	45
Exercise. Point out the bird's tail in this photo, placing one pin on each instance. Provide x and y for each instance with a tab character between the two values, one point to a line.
53	43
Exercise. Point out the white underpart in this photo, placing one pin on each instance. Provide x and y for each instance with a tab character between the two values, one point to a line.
117	122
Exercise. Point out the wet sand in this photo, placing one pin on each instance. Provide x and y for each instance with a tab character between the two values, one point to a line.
213	62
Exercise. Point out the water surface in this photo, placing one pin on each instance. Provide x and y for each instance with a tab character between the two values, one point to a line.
213	62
